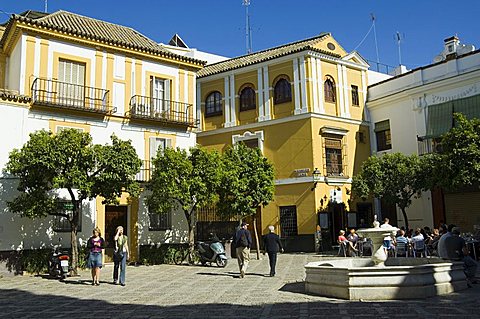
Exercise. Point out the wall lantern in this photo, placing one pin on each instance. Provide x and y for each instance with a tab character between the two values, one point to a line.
316	177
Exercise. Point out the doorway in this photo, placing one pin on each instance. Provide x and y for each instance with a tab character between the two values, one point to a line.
114	216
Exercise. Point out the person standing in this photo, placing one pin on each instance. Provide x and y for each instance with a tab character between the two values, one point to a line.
120	256
272	244
243	242
95	244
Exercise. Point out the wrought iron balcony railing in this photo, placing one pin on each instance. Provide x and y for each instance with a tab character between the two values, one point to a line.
53	93
428	145
167	111
335	170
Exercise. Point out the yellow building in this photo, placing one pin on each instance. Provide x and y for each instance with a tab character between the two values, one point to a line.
302	104
63	70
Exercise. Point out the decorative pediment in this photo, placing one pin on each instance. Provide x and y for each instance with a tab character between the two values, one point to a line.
356	58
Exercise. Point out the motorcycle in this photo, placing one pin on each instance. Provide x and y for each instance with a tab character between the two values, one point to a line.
212	252
59	262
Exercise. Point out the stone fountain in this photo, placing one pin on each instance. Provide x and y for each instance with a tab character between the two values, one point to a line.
382	278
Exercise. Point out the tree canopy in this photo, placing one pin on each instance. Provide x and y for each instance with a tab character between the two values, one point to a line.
458	163
185	180
247	182
69	160
395	178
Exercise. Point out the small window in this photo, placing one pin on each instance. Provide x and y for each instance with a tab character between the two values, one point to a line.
213	104
355	100
361	137
62	224
329	88
282	91
160	221
247	99
383	135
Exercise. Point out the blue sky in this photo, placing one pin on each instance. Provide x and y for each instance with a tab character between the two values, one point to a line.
218	26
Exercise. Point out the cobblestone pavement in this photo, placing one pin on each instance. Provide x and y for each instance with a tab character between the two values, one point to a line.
170	291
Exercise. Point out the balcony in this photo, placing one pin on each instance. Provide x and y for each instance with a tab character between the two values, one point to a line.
427	145
145	173
51	93
160	110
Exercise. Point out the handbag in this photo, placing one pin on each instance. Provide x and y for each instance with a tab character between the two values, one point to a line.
118	256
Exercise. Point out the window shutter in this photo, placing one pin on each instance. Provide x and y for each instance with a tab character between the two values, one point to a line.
168	143
166	95
153	147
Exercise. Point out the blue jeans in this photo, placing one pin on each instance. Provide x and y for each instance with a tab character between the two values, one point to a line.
122	263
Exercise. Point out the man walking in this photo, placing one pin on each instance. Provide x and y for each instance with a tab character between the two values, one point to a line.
243	242
272	246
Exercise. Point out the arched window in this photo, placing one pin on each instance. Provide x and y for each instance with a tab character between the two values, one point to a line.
213	104
282	91
329	90
247	99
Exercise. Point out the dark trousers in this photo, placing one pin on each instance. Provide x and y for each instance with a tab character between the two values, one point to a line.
272	257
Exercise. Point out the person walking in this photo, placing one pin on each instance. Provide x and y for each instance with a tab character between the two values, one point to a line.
120	256
243	242
272	244
95	244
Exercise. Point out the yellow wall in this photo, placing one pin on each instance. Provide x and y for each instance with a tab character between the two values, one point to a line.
283	109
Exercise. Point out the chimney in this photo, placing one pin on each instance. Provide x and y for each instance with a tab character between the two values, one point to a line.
451	46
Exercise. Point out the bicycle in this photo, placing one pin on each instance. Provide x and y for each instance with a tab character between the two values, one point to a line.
182	253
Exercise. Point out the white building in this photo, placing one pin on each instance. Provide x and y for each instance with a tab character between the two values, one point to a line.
65	70
410	111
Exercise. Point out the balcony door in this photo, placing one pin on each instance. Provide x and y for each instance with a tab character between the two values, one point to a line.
71	83
160	94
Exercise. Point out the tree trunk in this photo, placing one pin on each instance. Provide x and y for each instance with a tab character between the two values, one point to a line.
405	218
256	236
191	235
73	236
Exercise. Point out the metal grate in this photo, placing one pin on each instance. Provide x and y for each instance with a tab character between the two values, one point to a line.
288	221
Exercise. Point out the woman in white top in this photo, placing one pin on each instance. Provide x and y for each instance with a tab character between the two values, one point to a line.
120	256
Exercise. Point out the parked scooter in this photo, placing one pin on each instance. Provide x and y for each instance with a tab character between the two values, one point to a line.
59	263
212	252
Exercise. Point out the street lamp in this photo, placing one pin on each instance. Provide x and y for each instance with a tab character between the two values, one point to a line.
316	177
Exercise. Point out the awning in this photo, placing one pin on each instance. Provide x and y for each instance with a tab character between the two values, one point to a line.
440	116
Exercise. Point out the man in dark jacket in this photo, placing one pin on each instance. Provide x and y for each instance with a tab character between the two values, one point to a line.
272	245
243	242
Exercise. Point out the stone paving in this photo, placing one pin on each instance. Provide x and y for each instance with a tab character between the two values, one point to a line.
170	291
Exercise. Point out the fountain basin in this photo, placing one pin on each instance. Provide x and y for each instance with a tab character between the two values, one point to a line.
399	278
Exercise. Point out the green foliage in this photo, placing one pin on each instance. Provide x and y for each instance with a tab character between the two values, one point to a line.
395	177
83	256
184	180
248	181
68	160
459	162
35	261
152	255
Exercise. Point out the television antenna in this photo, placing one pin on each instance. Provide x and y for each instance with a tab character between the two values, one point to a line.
248	30
399	38
46	6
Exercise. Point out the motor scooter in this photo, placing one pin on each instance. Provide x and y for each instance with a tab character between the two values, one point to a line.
212	252
59	262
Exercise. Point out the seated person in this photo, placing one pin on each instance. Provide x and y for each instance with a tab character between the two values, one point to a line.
343	239
456	250
401	237
353	236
